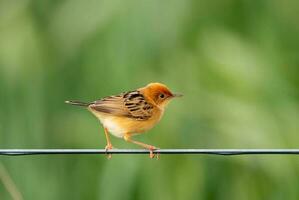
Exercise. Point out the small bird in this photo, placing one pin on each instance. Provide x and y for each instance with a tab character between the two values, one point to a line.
131	113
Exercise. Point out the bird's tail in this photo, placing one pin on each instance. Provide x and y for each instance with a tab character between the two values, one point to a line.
77	103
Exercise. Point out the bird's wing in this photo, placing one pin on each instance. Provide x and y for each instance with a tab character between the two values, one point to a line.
131	104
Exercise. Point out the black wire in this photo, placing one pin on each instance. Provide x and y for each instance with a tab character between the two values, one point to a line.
229	152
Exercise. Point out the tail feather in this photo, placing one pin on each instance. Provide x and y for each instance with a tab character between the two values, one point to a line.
77	103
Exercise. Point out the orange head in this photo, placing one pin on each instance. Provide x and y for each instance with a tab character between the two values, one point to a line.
158	93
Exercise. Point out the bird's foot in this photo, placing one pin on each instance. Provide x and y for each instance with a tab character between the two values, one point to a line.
152	154
108	147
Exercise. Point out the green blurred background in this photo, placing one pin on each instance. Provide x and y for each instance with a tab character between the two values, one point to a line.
236	62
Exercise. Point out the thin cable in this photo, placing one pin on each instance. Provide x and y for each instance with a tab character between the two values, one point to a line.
226	152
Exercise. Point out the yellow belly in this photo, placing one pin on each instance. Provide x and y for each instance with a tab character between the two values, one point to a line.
119	126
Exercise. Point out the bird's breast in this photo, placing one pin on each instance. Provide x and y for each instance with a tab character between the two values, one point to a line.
119	126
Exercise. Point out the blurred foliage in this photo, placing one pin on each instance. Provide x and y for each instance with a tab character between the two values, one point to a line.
237	63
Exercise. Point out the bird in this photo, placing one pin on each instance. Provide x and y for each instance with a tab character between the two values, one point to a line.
130	113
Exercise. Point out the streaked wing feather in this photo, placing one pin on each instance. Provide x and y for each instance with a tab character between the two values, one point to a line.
131	104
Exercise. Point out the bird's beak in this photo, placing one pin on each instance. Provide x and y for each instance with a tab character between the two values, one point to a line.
177	95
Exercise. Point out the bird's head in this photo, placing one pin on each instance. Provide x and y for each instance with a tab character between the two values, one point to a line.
159	94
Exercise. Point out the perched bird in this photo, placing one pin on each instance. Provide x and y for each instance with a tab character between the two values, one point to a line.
131	113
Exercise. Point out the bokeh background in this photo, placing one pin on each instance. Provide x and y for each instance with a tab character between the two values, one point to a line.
236	62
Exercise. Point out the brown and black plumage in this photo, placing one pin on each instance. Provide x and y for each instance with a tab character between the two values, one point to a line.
130	104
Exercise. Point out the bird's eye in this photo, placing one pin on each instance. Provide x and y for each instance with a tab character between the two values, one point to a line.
162	96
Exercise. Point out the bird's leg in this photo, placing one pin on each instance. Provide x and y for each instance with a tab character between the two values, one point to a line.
151	148
109	145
